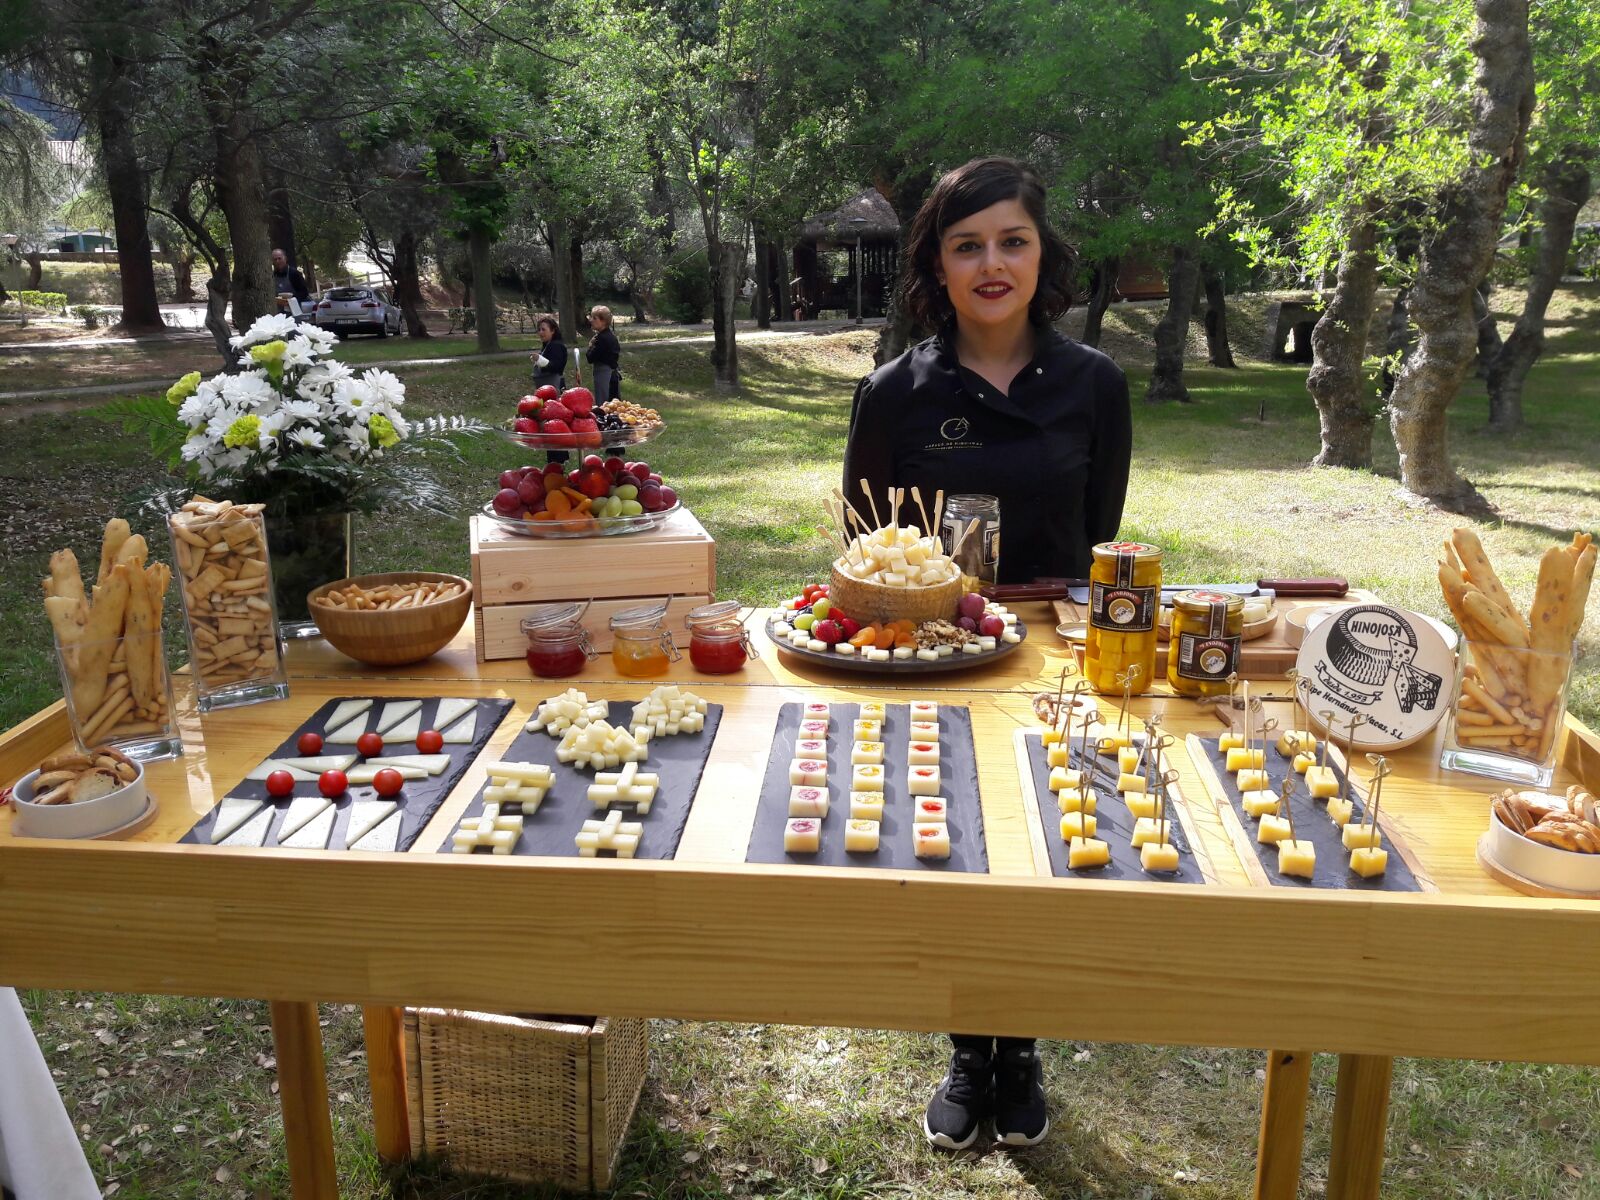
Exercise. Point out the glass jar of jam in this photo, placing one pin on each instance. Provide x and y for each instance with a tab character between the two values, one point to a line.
1204	647
641	646
718	643
558	645
1124	612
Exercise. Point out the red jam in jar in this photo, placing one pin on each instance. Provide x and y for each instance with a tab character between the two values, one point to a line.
718	643
558	646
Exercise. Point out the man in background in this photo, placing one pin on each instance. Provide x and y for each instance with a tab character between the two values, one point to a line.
289	284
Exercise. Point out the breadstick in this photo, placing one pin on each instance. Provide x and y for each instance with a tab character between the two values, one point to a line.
139	628
65	579
1476	565
1582	577
134	551
102	634
116	534
1548	622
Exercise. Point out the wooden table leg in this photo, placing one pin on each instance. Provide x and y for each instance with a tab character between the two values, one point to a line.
1283	1125
1360	1119
303	1093
386	1073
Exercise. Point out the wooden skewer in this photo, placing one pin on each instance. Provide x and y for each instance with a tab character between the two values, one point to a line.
1327	728
1356	721
916	495
1286	794
831	538
1061	687
866	488
1244	691
965	533
895	496
938	510
1380	771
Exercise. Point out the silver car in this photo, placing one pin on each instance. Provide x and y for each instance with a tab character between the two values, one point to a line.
347	310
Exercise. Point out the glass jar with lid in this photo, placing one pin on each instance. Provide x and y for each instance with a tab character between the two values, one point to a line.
558	644
718	643
641	646
979	556
1204	647
1124	612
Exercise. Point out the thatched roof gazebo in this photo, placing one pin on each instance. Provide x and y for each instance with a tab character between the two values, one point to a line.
866	229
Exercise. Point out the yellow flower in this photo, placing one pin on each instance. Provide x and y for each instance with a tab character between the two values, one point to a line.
243	434
268	354
383	430
184	388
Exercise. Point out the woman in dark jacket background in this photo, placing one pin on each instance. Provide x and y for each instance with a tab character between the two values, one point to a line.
553	350
603	355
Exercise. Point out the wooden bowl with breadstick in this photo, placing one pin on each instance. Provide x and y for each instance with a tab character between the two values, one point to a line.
392	619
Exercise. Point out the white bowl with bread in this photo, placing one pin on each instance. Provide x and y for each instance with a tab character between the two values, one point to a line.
1547	840
80	795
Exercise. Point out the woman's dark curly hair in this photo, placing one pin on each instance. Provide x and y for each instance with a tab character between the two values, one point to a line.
972	188
550	320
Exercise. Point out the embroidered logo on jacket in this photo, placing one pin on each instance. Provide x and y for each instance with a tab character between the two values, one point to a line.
954	429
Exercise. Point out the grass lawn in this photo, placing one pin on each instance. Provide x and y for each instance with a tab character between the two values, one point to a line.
174	1095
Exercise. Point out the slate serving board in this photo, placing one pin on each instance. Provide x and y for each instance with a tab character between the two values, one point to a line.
958	770
679	760
419	799
1311	823
1115	823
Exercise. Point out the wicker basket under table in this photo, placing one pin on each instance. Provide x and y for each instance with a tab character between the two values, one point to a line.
523	1099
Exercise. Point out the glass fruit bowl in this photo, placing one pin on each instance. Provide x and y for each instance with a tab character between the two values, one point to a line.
608	439
580	527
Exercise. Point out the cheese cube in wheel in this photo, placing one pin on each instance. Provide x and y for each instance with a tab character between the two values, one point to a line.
1297	858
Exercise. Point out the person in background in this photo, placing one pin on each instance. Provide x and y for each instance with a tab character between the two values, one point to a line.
287	281
996	402
550	360
603	355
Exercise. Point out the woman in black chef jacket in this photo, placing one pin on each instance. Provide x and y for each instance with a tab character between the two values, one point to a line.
996	402
553	370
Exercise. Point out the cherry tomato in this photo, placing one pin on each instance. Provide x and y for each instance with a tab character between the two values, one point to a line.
430	741
309	743
280	784
332	783
388	782
368	745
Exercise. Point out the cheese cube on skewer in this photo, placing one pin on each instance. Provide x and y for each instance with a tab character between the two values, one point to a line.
1087	853
1064	777
1158	856
1262	802
1140	804
1303	762
1297	741
1146	829
1130	783
1341	810
1368	863
1077	825
1273	829
1252	779
1128	760
1297	858
1241	758
1230	741
1361	837
1077	799
1321	782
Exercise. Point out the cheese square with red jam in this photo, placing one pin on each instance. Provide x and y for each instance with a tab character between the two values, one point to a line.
817	710
925	731
866	778
923	754
867	752
807	801
931	841
928	810
802	835
923	781
811	748
925	710
813	729
810	771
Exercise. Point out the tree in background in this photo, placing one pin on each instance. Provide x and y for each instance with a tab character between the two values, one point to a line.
32	182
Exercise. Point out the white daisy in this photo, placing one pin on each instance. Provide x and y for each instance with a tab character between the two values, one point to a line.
307	438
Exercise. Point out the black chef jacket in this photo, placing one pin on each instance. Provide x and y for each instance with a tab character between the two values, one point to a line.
1055	451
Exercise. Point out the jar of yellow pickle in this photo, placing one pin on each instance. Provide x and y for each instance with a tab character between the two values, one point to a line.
1204	647
1124	607
640	645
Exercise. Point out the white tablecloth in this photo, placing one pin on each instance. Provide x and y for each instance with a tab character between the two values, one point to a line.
40	1158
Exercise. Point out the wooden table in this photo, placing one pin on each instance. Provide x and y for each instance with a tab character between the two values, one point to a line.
1455	974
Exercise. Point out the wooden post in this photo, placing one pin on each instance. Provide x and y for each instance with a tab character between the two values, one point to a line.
303	1094
1360	1118
1283	1125
386	1074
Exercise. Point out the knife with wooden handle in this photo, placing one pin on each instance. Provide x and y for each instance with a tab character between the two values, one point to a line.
1330	586
1059	589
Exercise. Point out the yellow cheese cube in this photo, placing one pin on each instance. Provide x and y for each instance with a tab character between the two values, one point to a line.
1110	743
1065	777
1341	810
1321	782
1083	853
1077	825
1297	858
1130	783
1367	862
1297	741
1272	829
1361	836
1304	761
1078	799
1128	759
1239	758
1261	803
1158	856
1059	755
1140	804
1146	829
1253	779
1230	741
1051	737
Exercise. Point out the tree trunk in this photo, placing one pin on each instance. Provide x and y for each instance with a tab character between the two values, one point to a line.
308	268
1565	186
905	193
1337	382
762	298
1396	342
35	261
1218	352
575	273
129	189
1105	286
727	267
280	220
781	268
1172	331
566	306
1489	341
1456	253
479	246
217	291
408	284
183	277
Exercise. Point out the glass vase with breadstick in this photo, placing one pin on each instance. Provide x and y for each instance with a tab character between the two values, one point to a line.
109	648
1510	698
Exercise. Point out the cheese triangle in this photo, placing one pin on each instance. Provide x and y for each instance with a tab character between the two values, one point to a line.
345	712
406	730
233	812
254	831
301	775
314	834
346	734
451	710
386	837
320	763
301	809
396	711
365	815
433	764
462	732
367	772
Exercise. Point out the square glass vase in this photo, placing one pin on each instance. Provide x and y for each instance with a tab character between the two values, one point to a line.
1507	713
119	693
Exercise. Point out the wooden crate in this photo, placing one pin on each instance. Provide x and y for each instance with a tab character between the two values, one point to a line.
524	1098
511	574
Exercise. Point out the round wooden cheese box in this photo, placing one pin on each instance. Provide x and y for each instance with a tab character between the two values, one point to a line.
1389	665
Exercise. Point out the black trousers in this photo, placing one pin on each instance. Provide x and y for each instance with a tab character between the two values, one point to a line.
989	1047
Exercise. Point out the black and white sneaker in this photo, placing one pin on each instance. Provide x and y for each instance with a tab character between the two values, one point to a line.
952	1117
1021	1117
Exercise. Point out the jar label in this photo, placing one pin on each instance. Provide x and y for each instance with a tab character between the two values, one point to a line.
1207	659
1122	609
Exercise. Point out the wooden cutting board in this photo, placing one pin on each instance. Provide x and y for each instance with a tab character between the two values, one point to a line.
1268	657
